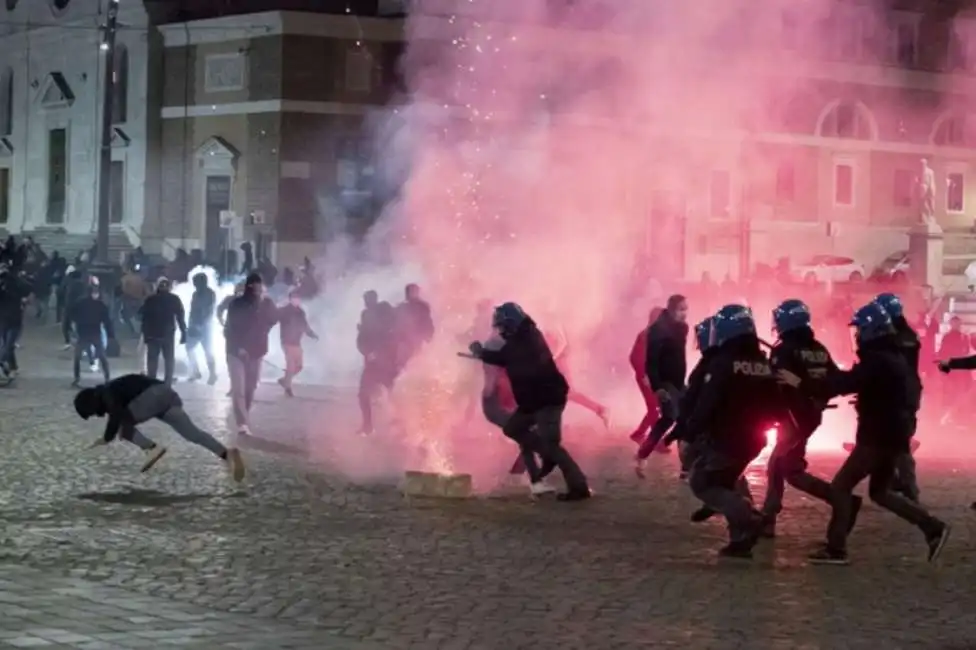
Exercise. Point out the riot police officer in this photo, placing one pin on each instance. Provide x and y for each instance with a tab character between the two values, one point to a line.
887	401
798	351
906	481
688	448
730	418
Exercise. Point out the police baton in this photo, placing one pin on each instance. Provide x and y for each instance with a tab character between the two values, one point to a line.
466	355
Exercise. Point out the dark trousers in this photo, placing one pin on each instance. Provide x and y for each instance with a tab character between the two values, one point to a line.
541	432
669	415
376	375
878	466
166	347
715	480
495	414
906	477
8	346
788	464
92	347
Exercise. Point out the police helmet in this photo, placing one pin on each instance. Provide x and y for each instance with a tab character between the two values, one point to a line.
790	315
731	322
871	322
703	334
891	304
507	318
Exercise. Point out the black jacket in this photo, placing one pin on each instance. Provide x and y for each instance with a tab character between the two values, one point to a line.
536	381
249	321
963	363
14	292
888	395
202	306
689	399
738	401
908	343
667	362
88	315
115	397
293	325
799	352
376	338
161	314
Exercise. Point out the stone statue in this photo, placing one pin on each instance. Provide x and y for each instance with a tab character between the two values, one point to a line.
926	194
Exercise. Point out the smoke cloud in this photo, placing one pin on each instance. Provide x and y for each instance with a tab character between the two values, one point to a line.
551	151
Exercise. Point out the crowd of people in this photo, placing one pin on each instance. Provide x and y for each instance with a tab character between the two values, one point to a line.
719	413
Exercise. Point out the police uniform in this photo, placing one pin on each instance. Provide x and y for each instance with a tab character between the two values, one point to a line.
887	401
730	418
799	352
905	479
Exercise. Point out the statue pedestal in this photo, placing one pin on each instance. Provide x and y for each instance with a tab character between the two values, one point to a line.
926	243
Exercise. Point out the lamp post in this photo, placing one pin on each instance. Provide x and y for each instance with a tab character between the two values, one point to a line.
105	160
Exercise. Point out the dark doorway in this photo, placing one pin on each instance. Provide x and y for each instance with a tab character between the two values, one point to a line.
216	200
57	175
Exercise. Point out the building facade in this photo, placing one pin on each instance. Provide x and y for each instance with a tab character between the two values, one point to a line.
834	167
266	125
51	93
259	127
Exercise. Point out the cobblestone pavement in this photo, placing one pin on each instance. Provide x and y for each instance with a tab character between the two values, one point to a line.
300	548
44	610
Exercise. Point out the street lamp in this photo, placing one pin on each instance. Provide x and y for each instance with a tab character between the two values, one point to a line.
107	48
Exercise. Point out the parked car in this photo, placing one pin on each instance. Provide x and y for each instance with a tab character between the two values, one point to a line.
893	268
829	268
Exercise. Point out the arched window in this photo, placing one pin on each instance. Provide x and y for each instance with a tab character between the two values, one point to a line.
120	85
846	119
7	102
954	130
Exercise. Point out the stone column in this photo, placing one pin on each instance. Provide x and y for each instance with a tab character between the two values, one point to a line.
925	249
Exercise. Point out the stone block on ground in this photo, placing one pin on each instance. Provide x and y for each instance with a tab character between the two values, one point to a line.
436	485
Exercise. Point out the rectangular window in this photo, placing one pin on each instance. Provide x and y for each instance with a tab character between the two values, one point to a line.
359	70
903	190
720	194
905	45
116	205
57	175
843	184
956	192
785	183
224	72
4	195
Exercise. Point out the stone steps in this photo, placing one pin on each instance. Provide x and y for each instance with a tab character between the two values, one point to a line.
71	244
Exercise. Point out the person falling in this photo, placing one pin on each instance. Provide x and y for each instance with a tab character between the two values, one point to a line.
133	399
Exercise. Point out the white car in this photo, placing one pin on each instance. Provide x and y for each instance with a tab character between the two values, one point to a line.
829	268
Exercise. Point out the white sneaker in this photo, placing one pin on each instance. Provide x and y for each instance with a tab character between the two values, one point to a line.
244	430
235	464
67	346
541	488
153	456
94	367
